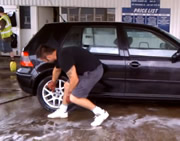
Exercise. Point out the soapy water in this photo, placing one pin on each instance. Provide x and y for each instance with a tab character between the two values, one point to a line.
25	120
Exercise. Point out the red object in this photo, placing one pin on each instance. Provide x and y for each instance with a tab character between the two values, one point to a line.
25	61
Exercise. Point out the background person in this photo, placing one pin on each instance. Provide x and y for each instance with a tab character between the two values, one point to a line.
5	32
83	69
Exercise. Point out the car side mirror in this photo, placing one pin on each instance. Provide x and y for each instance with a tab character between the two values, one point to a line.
176	56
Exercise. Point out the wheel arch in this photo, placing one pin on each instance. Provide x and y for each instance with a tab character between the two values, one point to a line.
40	78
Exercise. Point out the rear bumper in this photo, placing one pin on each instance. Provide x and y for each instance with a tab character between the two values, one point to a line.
25	81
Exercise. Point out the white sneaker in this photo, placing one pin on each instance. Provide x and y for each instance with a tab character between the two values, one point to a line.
58	114
100	118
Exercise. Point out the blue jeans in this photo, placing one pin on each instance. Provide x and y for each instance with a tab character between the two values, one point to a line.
5	46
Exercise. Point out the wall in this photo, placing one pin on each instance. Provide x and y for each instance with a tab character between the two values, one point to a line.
175	15
27	34
39	17
24	37
45	15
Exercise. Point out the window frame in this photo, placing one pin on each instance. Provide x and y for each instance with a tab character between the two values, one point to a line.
68	34
102	26
157	33
108	16
82	27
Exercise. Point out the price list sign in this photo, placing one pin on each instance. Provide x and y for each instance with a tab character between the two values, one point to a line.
147	12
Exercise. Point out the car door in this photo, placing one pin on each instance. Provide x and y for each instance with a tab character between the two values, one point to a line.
149	69
102	41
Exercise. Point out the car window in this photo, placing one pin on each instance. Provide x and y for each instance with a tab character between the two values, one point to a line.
100	40
73	39
146	43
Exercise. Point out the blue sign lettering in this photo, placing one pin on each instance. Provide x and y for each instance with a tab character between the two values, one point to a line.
145	10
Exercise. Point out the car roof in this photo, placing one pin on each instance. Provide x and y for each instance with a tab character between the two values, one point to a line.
98	23
120	24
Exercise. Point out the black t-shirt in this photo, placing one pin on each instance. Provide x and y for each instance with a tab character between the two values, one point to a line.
81	58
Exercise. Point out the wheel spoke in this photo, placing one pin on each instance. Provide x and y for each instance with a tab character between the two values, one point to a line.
61	86
61	98
47	90
47	95
59	101
60	83
51	99
62	90
54	102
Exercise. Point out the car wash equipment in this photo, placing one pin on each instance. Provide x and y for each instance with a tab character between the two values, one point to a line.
13	66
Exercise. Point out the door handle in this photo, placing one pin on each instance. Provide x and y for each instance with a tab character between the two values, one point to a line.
134	64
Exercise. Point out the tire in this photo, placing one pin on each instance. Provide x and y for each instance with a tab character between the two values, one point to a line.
51	100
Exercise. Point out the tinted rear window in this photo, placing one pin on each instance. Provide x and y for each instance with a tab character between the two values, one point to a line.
51	34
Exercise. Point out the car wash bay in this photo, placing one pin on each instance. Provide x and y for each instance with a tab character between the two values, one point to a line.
22	118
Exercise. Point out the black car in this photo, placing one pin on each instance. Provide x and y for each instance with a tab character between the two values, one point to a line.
140	61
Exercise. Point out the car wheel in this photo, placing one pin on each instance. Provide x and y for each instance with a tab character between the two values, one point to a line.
48	99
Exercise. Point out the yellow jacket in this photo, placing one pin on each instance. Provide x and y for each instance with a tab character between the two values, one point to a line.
7	31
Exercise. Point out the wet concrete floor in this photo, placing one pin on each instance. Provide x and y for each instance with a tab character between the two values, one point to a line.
23	119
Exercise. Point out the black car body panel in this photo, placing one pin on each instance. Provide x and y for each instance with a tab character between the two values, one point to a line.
25	81
130	72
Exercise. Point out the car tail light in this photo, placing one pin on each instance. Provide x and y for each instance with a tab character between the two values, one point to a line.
25	60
